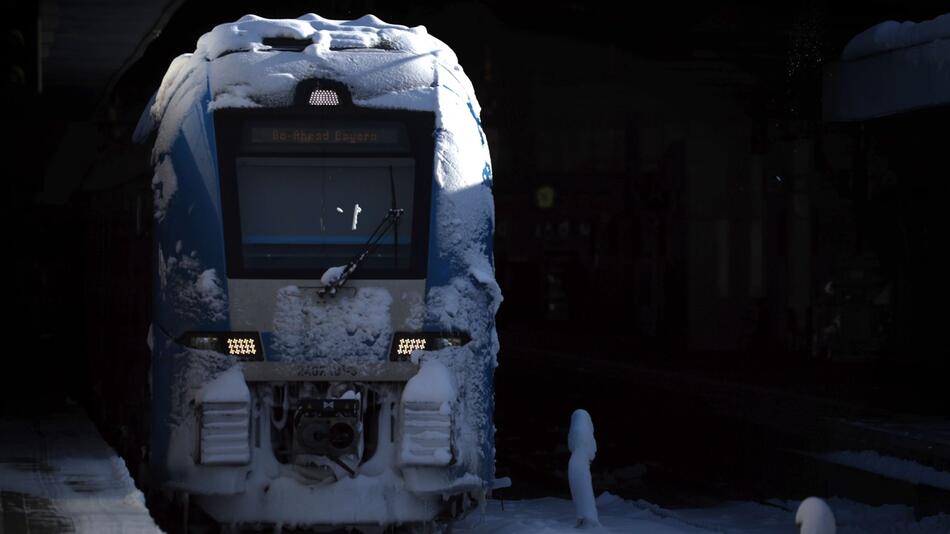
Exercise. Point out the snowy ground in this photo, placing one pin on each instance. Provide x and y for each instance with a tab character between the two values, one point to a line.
553	516
58	475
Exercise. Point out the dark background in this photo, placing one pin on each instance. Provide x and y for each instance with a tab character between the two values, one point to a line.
686	248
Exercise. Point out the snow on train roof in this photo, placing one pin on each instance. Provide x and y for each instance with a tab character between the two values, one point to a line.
249	32
385	65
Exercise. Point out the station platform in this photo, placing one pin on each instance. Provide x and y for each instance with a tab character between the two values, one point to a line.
58	475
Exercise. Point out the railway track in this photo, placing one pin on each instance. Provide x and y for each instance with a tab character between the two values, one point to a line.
702	437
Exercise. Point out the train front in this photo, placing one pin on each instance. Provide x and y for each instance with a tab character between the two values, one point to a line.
323	340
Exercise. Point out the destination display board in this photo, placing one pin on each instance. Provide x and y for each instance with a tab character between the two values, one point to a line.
327	136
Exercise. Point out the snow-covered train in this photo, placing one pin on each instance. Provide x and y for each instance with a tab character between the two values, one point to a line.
323	341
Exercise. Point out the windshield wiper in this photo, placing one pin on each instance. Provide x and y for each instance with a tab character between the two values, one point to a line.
392	193
389	221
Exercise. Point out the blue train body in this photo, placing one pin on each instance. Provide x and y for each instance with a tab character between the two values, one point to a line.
281	393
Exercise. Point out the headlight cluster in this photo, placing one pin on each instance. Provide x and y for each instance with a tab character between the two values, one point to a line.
405	343
409	344
244	346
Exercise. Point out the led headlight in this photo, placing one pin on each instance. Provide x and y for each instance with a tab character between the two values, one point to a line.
244	346
409	344
405	343
241	346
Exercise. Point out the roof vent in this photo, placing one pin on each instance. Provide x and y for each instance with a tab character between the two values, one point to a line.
286	44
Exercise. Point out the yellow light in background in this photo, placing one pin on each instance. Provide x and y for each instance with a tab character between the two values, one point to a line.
407	345
240	346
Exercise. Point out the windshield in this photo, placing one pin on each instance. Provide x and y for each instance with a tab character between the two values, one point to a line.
315	213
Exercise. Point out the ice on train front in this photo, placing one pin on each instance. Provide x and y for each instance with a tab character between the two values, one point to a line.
323	341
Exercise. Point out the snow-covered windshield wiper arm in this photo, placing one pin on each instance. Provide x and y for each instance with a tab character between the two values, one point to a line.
335	277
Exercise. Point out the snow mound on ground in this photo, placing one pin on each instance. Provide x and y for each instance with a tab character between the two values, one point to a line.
58	475
556	516
815	517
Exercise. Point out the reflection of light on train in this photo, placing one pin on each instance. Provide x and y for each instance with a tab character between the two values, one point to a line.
323	337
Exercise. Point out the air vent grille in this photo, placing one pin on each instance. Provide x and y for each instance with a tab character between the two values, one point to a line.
427	434
225	433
